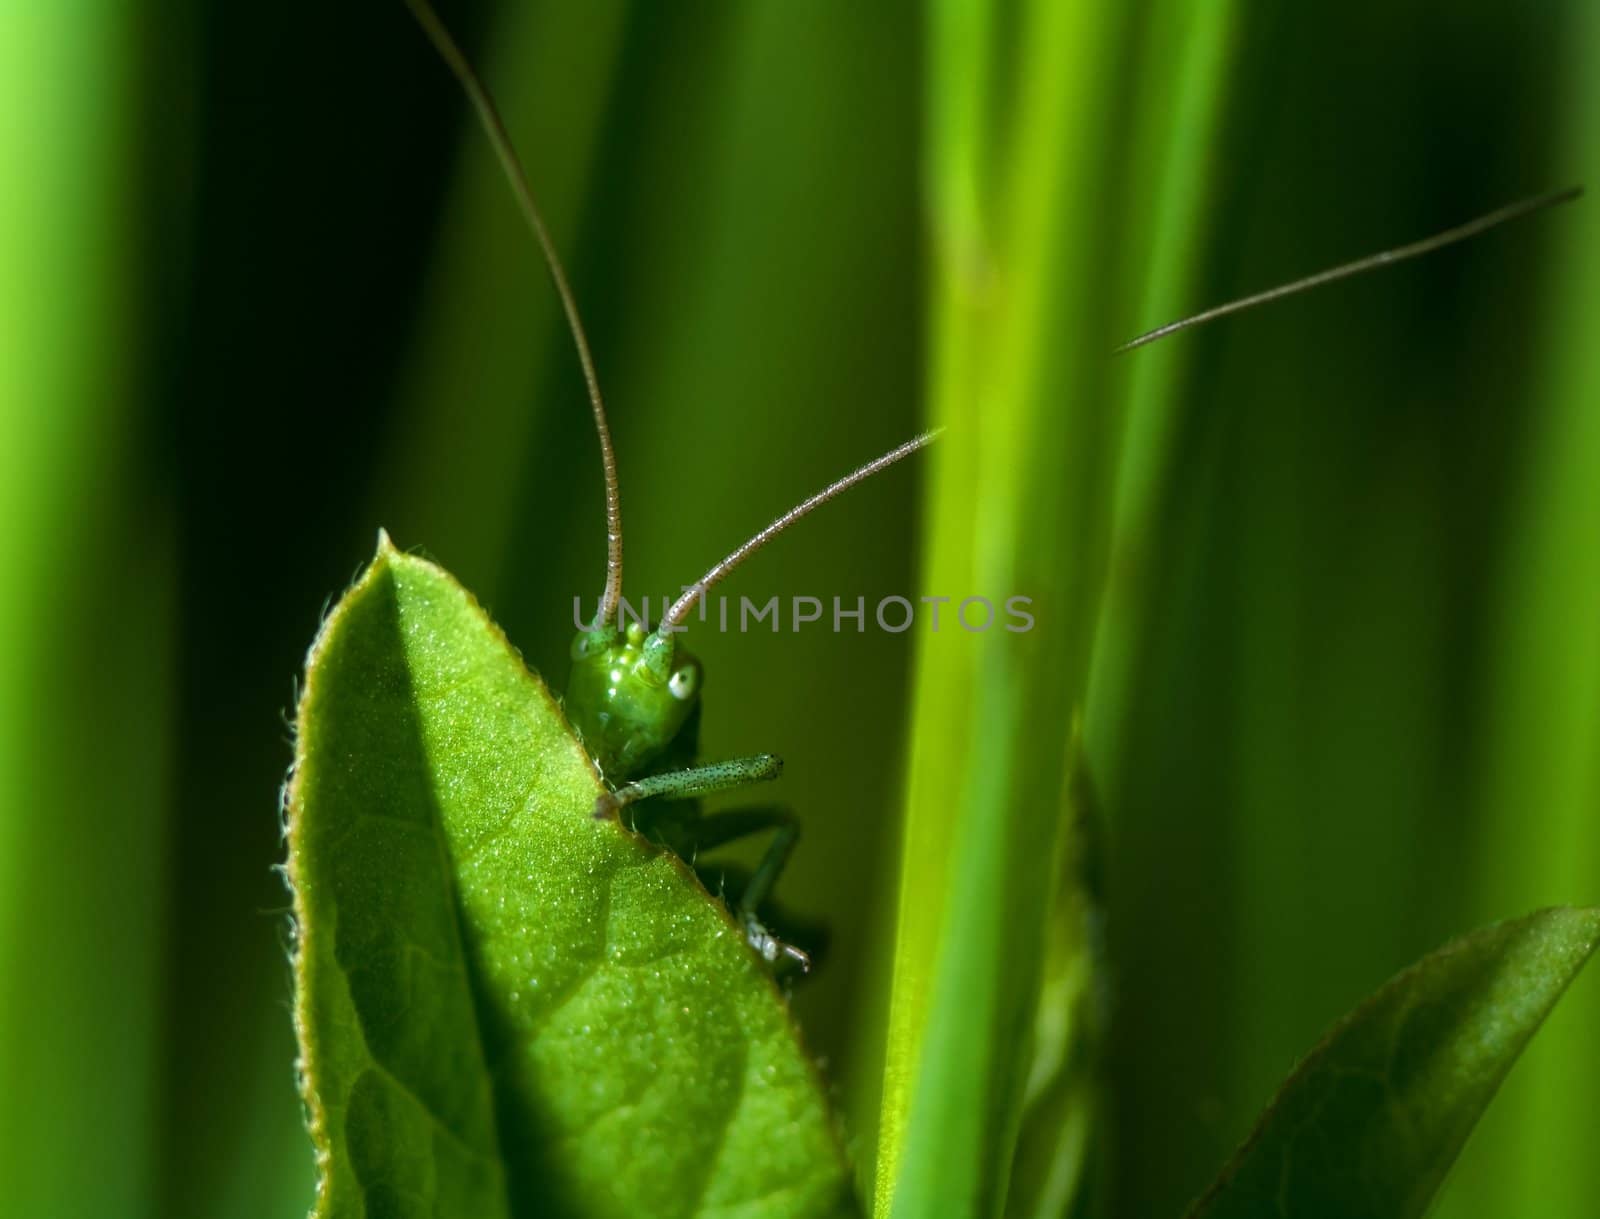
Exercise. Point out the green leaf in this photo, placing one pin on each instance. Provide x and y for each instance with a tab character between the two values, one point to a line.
1369	1123
506	1007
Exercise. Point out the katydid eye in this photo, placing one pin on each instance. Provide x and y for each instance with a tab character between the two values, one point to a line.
684	683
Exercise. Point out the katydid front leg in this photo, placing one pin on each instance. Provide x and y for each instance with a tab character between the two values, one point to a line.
695	781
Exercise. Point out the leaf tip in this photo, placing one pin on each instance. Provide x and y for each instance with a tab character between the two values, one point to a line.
1587	917
1578	925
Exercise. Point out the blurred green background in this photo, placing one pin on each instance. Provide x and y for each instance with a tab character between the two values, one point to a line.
263	291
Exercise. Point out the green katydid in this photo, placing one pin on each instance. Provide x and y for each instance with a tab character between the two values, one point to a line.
633	694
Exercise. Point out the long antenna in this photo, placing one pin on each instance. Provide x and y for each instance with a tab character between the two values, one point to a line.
515	174
674	617
1503	215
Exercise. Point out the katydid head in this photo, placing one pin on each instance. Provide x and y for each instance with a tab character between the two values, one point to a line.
629	695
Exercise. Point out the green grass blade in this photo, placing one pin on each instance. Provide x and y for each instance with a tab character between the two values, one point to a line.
1368	1124
1540	784
1018	504
1170	165
958	54
1174	157
86	576
497	993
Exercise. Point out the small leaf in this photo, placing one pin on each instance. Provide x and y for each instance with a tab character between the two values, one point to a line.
1369	1123
505	1007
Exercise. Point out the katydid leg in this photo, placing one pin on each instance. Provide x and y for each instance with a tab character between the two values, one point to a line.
719	828
696	781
